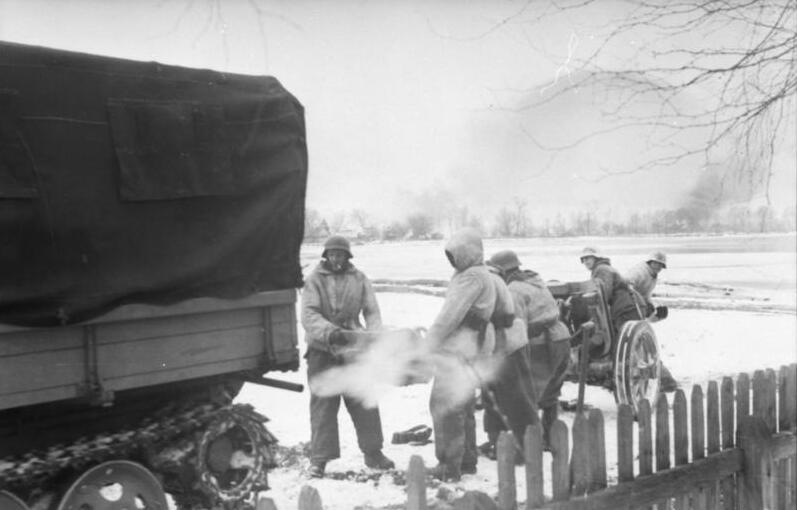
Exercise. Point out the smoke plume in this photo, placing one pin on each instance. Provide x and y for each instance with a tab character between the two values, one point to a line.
400	357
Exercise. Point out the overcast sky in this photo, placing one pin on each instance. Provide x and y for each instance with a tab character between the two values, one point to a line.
401	97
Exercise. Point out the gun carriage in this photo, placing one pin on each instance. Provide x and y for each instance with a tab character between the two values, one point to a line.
627	362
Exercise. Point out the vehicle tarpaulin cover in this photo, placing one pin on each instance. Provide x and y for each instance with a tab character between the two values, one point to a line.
137	182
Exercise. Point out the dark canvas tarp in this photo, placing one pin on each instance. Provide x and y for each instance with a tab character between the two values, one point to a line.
124	181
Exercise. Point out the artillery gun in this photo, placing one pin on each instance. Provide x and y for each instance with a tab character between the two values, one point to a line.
151	218
627	362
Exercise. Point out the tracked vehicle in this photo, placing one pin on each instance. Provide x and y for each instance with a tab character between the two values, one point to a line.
151	218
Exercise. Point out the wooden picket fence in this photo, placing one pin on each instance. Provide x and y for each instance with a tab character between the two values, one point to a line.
743	455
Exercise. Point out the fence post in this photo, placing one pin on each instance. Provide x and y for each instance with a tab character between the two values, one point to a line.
753	436
309	499
597	451
416	484
698	424
760	395
791	396
726	412
662	441
645	438
680	428
560	471
579	457
787	408
787	396
662	434
265	503
680	424
534	476
771	398
742	401
712	418
727	486
625	443
698	433
711	490
505	453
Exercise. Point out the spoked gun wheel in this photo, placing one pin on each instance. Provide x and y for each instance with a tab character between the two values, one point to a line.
637	365
115	485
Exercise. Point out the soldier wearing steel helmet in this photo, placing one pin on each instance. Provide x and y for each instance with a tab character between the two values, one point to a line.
540	367
509	398
616	291
335	295
644	276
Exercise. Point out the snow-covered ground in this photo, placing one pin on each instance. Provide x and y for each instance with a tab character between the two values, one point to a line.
698	344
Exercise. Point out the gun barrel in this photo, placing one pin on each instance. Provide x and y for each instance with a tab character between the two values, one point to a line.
276	383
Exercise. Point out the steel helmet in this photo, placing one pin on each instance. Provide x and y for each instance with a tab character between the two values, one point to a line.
505	260
590	251
337	243
658	256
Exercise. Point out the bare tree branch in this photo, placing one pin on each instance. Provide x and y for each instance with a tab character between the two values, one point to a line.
738	57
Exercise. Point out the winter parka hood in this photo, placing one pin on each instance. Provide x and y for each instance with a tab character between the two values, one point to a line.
465	249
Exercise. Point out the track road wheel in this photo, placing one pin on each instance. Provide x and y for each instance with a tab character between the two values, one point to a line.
115	485
234	456
10	502
637	365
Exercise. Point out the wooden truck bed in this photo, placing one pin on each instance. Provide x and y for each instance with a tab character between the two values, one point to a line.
141	345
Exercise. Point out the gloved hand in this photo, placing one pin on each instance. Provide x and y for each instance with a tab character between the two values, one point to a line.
337	338
662	312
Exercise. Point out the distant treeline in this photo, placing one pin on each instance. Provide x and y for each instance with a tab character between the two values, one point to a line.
518	222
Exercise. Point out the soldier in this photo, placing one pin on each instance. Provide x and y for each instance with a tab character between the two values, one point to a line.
334	295
509	395
457	337
616	291
548	339
644	277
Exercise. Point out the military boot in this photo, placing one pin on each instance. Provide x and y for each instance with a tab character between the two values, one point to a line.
446	473
549	416
377	460
317	468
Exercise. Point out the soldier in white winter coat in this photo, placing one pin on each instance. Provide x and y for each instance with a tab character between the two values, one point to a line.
460	333
548	338
645	275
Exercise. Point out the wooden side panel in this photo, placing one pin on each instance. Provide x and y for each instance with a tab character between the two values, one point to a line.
141	353
40	365
283	340
33	371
